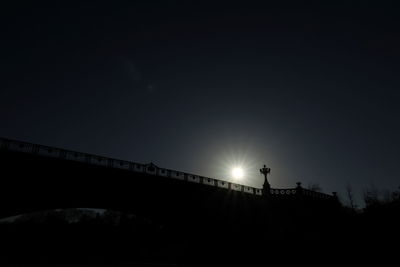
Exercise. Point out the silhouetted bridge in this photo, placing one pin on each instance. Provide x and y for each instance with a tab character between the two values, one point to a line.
189	206
149	169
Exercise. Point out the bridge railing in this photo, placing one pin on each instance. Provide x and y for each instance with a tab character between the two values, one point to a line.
298	191
150	169
283	191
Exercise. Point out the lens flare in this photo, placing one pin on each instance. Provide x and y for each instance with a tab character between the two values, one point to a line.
237	173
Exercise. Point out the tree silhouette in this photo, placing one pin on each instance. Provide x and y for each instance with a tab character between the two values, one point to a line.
371	197
350	197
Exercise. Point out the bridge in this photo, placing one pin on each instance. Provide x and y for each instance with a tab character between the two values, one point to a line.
150	169
36	177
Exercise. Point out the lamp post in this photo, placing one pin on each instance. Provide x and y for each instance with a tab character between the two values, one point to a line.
266	186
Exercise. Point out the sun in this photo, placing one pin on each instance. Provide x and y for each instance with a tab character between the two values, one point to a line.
237	173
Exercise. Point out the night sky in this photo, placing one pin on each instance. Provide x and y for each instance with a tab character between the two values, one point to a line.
311	90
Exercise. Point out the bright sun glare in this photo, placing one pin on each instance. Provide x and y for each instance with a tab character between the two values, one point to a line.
237	173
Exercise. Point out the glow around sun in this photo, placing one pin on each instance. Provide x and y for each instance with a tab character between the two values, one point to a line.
237	173
237	164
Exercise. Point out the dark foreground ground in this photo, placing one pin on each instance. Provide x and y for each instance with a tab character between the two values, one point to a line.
100	241
136	241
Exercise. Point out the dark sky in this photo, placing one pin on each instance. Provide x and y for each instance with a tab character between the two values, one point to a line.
311	90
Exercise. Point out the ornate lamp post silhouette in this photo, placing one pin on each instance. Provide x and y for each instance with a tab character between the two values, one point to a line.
266	186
